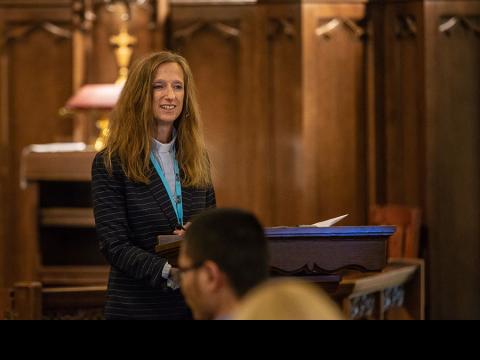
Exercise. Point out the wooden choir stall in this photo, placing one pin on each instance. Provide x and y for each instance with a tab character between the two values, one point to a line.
71	274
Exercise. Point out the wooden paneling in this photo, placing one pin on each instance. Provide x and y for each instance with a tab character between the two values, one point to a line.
306	116
51	71
250	96
28	301
237	137
426	92
94	56
67	166
4	165
269	94
49	48
453	135
334	113
5	303
102	67
33	89
281	94
402	99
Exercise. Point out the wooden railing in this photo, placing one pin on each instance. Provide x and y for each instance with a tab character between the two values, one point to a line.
30	301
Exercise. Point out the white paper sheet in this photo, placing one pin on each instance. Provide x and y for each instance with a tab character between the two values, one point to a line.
327	223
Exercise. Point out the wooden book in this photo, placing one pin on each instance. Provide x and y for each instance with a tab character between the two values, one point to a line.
168	246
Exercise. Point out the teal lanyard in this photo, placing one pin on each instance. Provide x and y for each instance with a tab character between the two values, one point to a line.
176	200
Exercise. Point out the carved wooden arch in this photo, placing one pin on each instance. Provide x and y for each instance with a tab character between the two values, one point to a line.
449	23
187	33
406	26
19	32
84	11
278	27
326	29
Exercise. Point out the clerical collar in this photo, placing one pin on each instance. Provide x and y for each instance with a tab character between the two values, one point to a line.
165	148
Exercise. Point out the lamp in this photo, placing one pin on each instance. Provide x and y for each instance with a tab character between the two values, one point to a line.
96	97
103	97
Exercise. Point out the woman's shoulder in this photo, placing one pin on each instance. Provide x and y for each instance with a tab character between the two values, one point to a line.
101	160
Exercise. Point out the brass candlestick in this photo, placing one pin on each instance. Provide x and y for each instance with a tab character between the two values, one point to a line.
102	125
123	43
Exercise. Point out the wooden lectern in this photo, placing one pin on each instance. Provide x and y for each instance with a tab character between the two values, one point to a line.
308	251
315	252
350	263
320	255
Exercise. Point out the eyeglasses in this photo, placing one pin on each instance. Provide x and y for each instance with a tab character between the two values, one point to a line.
183	270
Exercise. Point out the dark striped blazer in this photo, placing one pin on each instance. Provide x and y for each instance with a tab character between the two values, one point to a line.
129	216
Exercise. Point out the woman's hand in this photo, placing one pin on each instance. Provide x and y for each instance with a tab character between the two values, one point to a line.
182	232
173	281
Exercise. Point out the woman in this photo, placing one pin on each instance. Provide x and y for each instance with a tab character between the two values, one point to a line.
150	180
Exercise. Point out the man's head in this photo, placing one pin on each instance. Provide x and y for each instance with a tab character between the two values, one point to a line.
223	256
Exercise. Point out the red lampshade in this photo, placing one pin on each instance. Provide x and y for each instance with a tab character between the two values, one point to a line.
95	97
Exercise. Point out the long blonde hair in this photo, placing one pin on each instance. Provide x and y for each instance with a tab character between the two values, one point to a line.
287	299
132	126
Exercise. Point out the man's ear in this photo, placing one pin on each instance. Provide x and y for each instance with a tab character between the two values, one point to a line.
214	276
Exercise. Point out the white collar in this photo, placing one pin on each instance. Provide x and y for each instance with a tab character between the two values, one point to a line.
165	148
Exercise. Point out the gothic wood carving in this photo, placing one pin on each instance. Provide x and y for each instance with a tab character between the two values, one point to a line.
393	297
281	27
406	26
20	32
325	29
449	23
227	31
84	11
362	307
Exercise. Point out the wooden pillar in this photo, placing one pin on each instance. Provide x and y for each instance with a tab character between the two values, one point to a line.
6	304
427	91
220	42
78	52
28	113
400	104
28	259
452	63
160	24
4	160
28	301
334	117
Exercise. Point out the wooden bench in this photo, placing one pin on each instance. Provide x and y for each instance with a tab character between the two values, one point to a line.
30	301
6	300
395	293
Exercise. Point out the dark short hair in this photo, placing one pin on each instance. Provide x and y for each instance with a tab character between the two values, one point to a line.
235	241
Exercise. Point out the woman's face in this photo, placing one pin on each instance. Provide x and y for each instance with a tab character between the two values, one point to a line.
168	92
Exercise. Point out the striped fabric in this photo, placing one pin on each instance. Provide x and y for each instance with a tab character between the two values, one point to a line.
129	216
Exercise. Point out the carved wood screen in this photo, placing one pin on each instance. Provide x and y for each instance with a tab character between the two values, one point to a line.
402	98
311	109
453	153
35	73
270	93
48	49
223	37
281	97
335	49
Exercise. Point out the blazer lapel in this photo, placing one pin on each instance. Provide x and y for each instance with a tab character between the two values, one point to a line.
160	194
187	202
